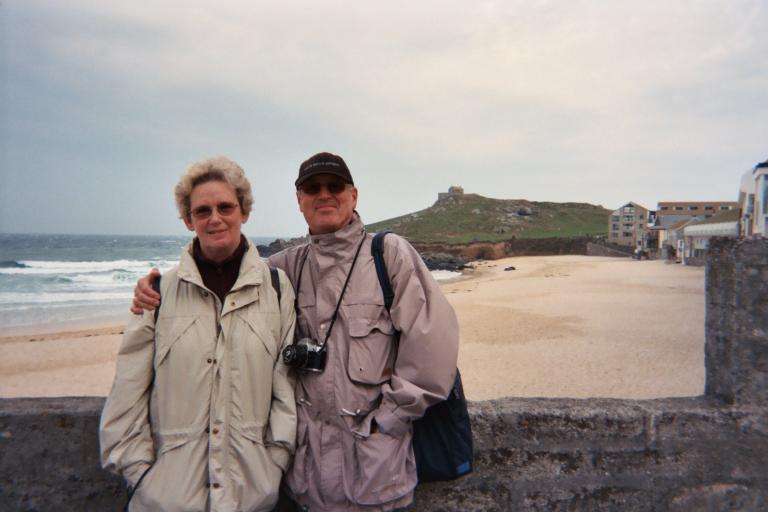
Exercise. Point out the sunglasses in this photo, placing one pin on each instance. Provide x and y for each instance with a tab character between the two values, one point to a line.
313	187
224	209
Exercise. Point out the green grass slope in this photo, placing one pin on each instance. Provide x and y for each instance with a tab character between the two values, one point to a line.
471	217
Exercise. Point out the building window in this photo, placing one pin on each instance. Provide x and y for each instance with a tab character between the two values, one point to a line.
765	195
664	208
679	208
615	218
709	207
725	207
627	235
693	208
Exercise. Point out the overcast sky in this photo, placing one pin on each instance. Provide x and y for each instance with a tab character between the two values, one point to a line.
105	104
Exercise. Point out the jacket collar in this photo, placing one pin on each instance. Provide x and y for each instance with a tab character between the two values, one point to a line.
249	272
339	244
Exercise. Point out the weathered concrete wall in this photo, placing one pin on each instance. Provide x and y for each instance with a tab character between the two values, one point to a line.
683	454
594	249
49	457
655	455
737	321
547	454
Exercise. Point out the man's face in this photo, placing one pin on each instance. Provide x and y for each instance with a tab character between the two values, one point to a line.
327	203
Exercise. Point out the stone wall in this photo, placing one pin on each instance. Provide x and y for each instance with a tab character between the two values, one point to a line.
682	454
513	247
613	250
737	322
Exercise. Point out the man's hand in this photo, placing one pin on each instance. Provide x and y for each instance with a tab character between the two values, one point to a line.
144	297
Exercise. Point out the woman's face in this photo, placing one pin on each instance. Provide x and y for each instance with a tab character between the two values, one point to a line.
216	218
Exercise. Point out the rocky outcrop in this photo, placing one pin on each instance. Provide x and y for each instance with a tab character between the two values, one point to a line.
278	245
442	261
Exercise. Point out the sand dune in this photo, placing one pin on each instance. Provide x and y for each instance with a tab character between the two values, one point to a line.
557	326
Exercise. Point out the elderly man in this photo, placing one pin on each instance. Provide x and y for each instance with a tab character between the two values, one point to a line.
371	371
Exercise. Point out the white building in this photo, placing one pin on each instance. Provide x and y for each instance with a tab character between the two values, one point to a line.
696	235
753	200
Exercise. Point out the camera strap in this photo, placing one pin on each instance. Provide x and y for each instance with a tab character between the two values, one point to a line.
341	295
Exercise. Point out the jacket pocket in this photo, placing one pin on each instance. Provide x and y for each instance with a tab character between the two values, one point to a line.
258	475
372	348
383	469
176	481
170	330
263	327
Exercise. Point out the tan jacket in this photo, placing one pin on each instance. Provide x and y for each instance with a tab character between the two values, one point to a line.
339	463
217	425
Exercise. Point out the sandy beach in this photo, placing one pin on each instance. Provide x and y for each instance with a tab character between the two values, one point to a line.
556	326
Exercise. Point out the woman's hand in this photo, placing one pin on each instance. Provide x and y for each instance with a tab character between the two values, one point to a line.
144	297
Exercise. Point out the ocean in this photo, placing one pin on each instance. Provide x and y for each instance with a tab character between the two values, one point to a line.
55	279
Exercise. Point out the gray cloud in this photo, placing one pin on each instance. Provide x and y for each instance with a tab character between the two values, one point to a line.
104	104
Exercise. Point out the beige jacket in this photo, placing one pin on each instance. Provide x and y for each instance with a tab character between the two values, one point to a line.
216	426
339	463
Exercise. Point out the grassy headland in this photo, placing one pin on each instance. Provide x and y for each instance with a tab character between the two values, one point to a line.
465	218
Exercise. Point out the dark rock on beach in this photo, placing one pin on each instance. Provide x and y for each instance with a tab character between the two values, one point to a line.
442	261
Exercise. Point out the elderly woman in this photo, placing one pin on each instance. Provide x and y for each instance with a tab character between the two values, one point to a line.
201	415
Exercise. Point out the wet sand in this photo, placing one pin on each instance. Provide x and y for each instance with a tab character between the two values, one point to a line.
557	326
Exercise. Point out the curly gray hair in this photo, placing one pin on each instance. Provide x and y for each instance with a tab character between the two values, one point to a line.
219	168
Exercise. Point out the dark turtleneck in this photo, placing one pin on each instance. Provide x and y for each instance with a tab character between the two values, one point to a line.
219	277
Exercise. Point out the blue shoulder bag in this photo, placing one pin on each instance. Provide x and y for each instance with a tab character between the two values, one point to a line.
442	438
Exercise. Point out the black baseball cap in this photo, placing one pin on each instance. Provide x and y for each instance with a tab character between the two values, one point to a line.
324	163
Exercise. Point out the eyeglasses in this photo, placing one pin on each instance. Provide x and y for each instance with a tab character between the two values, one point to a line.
224	209
313	187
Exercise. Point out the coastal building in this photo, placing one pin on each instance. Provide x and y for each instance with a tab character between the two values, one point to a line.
672	212
673	216
753	200
629	226
697	234
453	191
672	238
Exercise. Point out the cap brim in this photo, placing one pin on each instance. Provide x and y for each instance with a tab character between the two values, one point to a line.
322	170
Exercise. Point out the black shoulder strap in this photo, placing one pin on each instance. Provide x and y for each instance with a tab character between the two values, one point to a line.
156	287
275	282
377	250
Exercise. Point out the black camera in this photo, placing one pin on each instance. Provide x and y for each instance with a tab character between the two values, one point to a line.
305	355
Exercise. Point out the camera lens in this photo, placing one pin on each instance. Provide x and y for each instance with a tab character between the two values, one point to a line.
295	355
